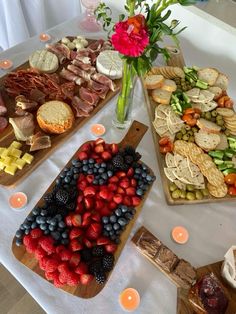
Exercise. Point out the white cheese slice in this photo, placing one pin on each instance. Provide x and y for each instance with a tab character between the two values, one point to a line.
44	61
109	63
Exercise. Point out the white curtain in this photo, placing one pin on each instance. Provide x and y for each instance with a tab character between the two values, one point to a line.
21	19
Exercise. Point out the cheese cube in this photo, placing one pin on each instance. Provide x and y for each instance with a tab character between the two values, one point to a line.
11	169
2	165
2	150
15	152
7	161
15	144
5	153
28	158
20	163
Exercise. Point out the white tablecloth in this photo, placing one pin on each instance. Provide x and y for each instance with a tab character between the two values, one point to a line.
211	226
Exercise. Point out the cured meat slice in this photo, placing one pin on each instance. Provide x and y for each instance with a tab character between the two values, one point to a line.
3	123
83	66
68	89
58	52
3	108
103	79
70	76
37	95
99	89
81	107
25	104
89	96
79	72
97	45
23	126
84	59
39	141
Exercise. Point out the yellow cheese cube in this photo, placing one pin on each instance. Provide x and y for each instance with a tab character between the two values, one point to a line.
7	161
20	163
5	153
1	150
15	144
11	169
15	152
2	165
28	158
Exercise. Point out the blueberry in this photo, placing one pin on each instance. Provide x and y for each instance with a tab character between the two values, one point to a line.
136	176
75	176
101	170
103	165
128	216
64	235
90	171
73	182
74	162
58	217
66	169
34	225
19	234
19	242
52	228
61	224
36	211
101	181
53	221
75	170
122	221
38	219
91	161
118	212
43	212
43	226
108	227
117	241
113	218
113	237
111	233
97	177
62	175
105	219
109	173
144	174
30	218
95	170
104	176
139	192
124	208
22	227
27	225
48	221
64	241
105	233
67	179
116	226
95	182
144	167
118	232
138	170
97	165
58	181
46	232
149	178
85	161
78	165
56	235
85	168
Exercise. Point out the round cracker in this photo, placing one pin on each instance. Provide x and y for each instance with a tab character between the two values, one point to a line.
214	176
225	112
217	191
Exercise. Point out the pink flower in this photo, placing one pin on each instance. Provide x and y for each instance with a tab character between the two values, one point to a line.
131	36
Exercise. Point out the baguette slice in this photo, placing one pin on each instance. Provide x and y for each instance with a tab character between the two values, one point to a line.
208	75
217	91
223	142
208	126
222	81
206	141
153	81
169	85
161	96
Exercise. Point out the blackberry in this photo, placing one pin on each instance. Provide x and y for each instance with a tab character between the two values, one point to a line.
129	159
129	150
86	255
137	156
98	251
95	267
62	196
73	194
108	262
100	277
111	167
71	207
49	198
118	161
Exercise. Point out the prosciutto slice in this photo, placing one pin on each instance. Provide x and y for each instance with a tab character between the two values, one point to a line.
23	126
81	107
100	78
89	96
61	51
97	45
82	65
79	72
37	95
99	89
3	108
39	141
25	104
70	76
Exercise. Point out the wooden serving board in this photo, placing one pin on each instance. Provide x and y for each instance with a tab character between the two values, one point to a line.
183	305
151	105
7	136
133	137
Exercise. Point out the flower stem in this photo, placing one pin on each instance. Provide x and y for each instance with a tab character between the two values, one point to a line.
131	4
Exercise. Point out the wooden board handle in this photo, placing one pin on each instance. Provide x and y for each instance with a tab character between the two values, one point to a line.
134	135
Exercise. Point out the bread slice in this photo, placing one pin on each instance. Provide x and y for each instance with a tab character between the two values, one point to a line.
208	126
222	81
208	75
206	141
55	117
169	85
161	96
44	61
217	91
153	81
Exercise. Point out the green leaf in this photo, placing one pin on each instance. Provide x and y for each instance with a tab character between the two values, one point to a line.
166	29
187	2
153	54
165	17
121	17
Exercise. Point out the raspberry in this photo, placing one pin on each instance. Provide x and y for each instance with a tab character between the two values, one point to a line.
59	248
51	276
42	262
63	278
32	246
47	244
63	268
51	265
27	239
39	253
36	233
72	279
65	255
57	283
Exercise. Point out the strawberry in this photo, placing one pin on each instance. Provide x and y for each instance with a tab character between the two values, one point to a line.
75	259
120	190
86	215
130	173
114	148
91	234
82	184
85	279
51	275
99	204
103	241
72	279
104	194
99	141
89	191
94	156
81	269
99	160
121	174
124	183
36	233
96	227
86	147
110	197
107	147
65	255
127	201
59	248
76	220
68	220
112	187
99	148
112	205
96	217
47	243
75	245
86	222
75	233
136	200
51	265
110	248
79	209
131	191
39	253
105	211
113	179
88	243
89	203
118	198
82	155
106	155
133	182
90	178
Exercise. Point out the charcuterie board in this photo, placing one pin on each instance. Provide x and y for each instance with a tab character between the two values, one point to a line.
132	138
7	135
174	176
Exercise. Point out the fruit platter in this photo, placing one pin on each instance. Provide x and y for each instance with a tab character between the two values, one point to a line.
48	98
76	232
194	131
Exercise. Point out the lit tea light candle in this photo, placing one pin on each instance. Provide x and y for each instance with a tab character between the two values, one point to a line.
5	64
44	37
180	235
98	129
18	200
129	299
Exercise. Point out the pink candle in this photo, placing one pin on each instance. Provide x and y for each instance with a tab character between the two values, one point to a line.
5	64
180	235
44	37
98	129
129	299
18	200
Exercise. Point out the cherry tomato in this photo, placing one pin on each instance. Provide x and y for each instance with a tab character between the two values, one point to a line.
197	110
228	103
232	190
230	179
164	141
166	149
189	111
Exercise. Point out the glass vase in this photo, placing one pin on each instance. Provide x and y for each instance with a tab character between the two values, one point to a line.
122	119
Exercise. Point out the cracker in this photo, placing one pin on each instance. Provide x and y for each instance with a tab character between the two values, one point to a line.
217	191
215	177
225	112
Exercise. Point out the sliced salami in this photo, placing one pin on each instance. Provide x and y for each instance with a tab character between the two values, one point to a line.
3	123
3	109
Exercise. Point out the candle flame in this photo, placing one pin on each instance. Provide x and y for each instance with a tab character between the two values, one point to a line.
129	297
18	199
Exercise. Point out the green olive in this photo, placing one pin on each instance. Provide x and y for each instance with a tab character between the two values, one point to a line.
190	196
185	137
214	113
190	187
176	194
183	194
203	115
199	195
223	128
182	79
227	132
195	130
219	117
179	136
213	119
205	192
193	84
220	122
208	115
190	133
172	187
187	127
191	139
183	130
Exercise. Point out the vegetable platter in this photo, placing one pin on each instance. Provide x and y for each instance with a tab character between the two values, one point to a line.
49	98
194	131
